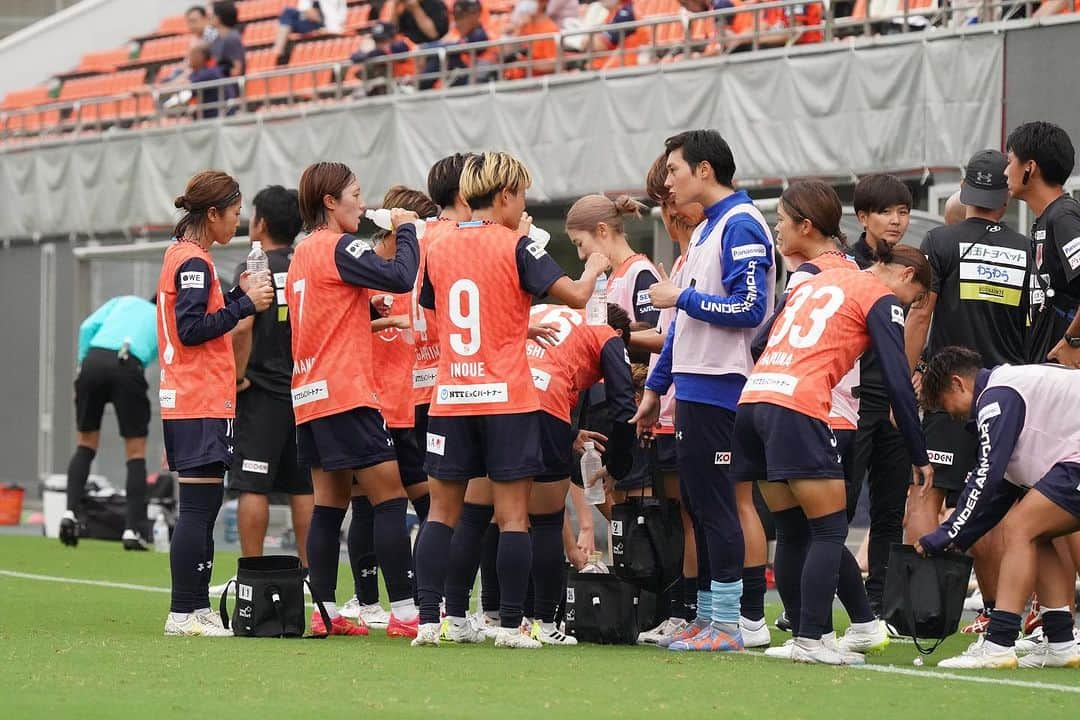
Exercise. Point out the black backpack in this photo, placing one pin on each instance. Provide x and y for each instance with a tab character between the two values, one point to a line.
601	608
269	598
924	596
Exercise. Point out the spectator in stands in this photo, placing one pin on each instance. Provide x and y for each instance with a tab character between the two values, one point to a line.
199	25
227	49
776	26
1054	7
387	42
200	70
540	52
307	17
422	21
619	11
565	14
468	29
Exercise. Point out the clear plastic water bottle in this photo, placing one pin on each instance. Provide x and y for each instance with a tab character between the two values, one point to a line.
591	467
161	534
596	307
257	262
381	218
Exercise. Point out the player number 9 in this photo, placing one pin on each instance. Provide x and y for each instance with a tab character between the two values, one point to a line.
464	292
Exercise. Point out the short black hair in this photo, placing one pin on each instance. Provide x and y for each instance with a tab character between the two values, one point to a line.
444	179
1048	145
952	360
619	319
280	208
876	193
225	10
709	146
197	9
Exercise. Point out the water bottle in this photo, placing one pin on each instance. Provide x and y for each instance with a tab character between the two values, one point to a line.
596	307
231	532
257	262
161	534
381	218
596	565
591	466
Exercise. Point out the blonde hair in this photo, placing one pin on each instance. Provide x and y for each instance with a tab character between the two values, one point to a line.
486	174
591	210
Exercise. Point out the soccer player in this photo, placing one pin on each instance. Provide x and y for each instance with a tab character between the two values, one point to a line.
198	386
265	458
727	290
979	300
1027	479
782	435
808	235
340	433
393	355
116	343
575	359
484	419
883	206
679	221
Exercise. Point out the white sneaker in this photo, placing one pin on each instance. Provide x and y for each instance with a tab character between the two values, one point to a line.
462	630
487	624
865	638
784	651
974	602
754	634
549	634
212	623
820	652
665	629
982	654
374	616
216	590
1046	656
1030	643
427	634
194	625
514	638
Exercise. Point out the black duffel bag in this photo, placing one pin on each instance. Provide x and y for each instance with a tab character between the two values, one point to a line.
269	598
924	596
102	517
601	608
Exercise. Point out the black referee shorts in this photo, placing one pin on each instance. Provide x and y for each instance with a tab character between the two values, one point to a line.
264	456
105	378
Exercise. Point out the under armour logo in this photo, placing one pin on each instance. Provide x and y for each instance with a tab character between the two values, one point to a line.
410	574
368	572
200	567
983	178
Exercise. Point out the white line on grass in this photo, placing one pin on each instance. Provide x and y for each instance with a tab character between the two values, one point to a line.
80	581
1030	684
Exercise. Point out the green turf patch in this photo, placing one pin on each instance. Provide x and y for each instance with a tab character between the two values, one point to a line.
84	651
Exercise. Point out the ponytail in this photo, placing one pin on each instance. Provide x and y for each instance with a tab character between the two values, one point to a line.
591	210
906	256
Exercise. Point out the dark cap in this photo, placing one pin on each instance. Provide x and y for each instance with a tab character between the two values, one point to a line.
463	6
984	183
383	31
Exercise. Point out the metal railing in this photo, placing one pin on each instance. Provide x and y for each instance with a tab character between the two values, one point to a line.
646	41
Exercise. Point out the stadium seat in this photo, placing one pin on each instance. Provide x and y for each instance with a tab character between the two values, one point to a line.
23	100
164	49
259	33
172	25
250	10
358	18
104	61
256	89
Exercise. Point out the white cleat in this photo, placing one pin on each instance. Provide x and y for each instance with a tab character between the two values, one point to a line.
982	654
665	629
820	652
514	638
754	634
462	630
1031	643
427	634
549	634
784	651
488	624
870	637
374	616
1046	656
204	624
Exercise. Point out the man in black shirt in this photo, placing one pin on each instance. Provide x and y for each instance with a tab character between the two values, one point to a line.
1041	159
264	459
422	21
978	300
883	206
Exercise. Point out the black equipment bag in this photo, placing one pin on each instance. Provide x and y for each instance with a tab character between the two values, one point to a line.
924	596
601	608
269	598
102	518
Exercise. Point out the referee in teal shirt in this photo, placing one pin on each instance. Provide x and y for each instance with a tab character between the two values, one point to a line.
116	344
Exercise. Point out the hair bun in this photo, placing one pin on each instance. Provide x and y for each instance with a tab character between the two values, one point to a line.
181	202
626	205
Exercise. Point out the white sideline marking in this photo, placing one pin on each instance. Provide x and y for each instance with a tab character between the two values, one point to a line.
80	581
1030	684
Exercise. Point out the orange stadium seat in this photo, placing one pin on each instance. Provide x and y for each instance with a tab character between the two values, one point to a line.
313	53
259	33
258	61
172	25
163	49
249	10
359	17
26	99
104	61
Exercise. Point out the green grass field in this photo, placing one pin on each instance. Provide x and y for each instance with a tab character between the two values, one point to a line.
88	651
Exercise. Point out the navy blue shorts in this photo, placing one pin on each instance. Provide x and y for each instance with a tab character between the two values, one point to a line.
1061	486
197	443
350	440
410	456
557	448
777	444
500	447
952	449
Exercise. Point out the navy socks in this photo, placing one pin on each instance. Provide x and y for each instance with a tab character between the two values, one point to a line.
432	555
821	572
192	551
465	557
323	546
547	563
361	542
